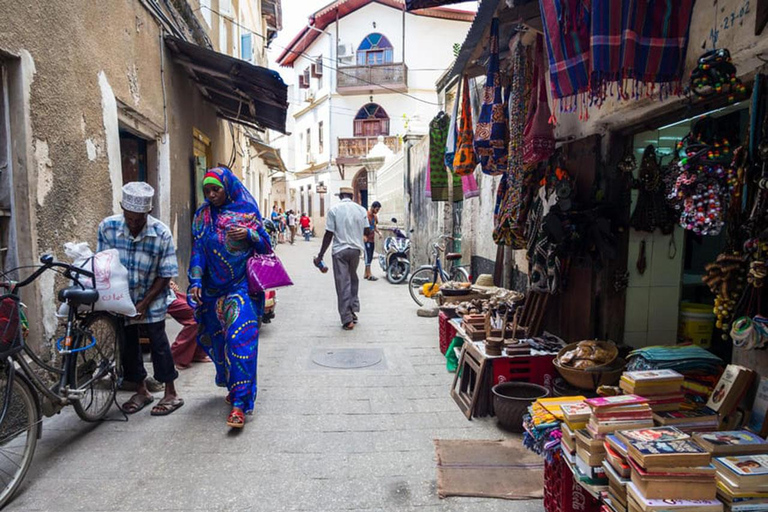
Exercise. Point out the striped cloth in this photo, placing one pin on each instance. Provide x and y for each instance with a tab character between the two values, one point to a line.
566	29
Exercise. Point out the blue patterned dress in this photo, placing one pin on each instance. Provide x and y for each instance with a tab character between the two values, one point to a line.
228	317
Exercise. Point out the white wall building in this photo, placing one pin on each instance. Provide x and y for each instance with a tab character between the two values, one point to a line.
362	69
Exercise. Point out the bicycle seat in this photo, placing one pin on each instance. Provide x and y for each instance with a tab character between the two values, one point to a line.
77	296
453	256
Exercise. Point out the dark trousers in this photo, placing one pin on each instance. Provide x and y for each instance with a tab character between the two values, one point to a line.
347	283
162	360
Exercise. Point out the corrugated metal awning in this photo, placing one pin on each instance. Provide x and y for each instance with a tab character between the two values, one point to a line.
242	93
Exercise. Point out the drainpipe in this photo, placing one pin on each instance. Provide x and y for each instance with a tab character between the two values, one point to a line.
407	183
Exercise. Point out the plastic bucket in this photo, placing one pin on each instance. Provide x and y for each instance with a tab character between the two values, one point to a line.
695	325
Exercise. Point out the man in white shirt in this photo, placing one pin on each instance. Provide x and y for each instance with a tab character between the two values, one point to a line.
345	226
292	225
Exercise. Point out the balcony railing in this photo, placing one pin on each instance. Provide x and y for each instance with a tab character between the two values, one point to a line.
381	77
359	147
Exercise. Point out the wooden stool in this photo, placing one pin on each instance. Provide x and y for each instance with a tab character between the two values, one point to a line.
468	381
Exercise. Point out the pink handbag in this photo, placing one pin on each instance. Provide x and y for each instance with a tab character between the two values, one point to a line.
539	136
266	272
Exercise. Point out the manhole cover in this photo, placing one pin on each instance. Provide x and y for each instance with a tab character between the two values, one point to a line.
347	358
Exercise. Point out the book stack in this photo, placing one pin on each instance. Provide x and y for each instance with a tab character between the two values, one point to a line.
742	482
638	503
568	443
734	442
702	419
617	471
672	469
590	453
728	393
623	412
662	388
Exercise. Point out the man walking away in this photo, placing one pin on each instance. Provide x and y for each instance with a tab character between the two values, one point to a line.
345	226
292	225
146	249
370	239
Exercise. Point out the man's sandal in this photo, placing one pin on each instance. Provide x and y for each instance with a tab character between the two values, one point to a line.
166	406
236	419
136	403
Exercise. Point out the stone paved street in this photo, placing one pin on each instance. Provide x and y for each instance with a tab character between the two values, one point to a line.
320	440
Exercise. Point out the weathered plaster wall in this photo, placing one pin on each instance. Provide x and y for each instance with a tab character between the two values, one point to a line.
80	61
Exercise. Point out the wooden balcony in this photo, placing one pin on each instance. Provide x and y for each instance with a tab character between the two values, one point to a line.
358	147
380	78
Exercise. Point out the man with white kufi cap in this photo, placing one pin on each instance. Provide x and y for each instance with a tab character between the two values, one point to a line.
146	249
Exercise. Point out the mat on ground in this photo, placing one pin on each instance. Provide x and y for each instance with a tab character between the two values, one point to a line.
488	469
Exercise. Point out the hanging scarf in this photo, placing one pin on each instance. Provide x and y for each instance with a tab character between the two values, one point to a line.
491	133
465	161
438	173
507	231
468	182
566	29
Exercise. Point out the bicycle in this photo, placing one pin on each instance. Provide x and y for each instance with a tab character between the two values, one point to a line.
86	377
431	273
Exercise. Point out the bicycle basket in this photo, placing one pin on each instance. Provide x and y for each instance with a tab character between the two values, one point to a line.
10	323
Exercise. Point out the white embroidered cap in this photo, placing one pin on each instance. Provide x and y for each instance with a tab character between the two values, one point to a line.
137	197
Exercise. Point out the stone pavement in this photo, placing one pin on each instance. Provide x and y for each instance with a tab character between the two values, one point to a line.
321	439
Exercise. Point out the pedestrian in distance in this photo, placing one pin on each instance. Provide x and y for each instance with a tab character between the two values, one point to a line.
145	246
292	225
345	226
227	229
184	349
281	225
370	239
306	226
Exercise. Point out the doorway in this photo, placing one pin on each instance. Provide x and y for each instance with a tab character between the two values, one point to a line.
360	186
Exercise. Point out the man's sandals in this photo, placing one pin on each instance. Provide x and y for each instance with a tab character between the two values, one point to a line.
236	418
136	403
166	406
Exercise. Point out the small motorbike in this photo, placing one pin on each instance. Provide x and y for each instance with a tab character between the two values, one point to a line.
307	234
271	229
270	302
396	260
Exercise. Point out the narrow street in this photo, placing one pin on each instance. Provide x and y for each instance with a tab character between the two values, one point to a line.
320	439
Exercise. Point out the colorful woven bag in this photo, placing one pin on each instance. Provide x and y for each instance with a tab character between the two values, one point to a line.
491	132
465	160
538	136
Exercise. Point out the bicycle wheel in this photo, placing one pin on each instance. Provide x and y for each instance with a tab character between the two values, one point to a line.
419	278
459	275
95	368
18	435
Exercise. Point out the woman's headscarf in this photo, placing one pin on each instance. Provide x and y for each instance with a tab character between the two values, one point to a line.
239	199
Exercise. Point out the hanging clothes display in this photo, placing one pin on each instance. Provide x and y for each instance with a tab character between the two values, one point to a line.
468	182
538	136
438	174
465	161
544	263
491	133
651	210
508	229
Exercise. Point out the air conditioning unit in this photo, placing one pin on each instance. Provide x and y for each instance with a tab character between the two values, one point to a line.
317	69
309	95
346	53
311	158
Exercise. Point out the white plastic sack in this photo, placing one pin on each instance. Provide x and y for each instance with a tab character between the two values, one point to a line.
111	278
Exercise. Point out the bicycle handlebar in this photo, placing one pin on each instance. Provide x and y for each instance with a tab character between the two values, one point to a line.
48	262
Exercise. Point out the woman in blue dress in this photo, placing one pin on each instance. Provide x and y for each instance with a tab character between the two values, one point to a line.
227	230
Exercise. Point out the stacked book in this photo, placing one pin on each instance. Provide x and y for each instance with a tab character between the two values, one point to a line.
617	471
701	419
662	388
575	418
623	412
590	453
672	468
742	468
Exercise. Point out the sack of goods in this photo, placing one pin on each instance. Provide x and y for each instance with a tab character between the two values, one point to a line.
111	279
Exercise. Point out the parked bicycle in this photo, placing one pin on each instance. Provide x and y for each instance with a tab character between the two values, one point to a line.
86	376
435	273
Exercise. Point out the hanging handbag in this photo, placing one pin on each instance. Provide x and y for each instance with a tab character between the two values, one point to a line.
465	160
492	130
538	136
266	272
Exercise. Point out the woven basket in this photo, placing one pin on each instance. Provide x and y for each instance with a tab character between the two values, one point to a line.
592	378
607	345
511	401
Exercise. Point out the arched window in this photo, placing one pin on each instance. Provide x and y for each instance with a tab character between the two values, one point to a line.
371	121
375	49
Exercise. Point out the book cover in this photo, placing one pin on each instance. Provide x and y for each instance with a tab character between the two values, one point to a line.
704	412
617	444
730	438
684	447
729	389
615	401
576	411
652	434
652	375
759	412
746	465
669	504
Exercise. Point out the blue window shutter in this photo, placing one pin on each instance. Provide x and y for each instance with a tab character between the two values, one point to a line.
246	47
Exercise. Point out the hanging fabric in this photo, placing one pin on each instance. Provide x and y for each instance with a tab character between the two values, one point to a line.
507	230
651	210
439	175
468	182
538	136
491	133
465	161
566	29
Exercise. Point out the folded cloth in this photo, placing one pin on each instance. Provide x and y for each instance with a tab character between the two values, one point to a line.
566	29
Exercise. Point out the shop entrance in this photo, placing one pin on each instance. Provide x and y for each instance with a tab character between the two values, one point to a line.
360	185
667	301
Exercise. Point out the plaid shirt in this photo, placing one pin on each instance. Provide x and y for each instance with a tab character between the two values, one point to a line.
148	256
